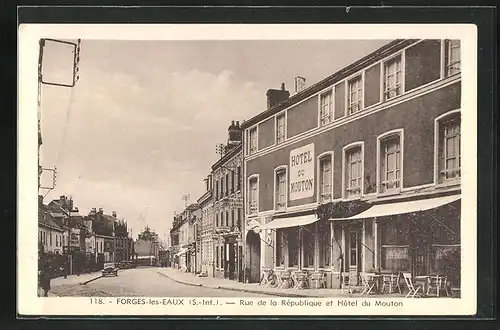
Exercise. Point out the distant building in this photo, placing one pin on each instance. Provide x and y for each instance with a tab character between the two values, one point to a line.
50	232
206	229
228	208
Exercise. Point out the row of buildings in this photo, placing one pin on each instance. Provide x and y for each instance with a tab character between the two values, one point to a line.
358	172
84	243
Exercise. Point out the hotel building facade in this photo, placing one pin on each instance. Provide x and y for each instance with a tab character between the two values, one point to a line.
361	171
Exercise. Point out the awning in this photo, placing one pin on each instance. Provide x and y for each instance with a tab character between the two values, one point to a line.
291	222
382	210
181	252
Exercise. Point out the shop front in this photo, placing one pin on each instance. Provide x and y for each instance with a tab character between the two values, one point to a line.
229	249
302	244
420	237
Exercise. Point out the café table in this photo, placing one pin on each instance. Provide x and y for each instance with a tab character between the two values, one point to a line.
423	281
377	278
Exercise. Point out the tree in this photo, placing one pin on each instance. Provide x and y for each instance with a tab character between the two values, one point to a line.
148	234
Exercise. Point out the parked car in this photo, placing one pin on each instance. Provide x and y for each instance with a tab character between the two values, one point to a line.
110	269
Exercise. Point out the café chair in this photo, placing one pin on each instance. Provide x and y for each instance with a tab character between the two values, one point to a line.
412	291
390	281
368	283
318	280
437	283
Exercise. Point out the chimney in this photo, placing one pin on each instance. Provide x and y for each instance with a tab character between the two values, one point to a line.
300	84
235	134
101	210
277	96
93	211
114	214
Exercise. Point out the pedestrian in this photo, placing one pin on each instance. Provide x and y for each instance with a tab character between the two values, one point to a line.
45	276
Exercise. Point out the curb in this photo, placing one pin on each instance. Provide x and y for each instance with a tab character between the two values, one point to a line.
91	280
292	295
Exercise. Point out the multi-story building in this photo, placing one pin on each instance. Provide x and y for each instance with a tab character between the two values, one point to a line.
207	229
50	232
360	171
103	226
183	235
228	208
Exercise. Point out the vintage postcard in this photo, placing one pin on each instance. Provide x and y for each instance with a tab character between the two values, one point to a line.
247	169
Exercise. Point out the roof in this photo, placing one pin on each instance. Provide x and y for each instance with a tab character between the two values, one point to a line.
45	219
371	58
227	156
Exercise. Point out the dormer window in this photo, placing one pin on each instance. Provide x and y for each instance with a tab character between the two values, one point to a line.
280	128
326	108
393	82
355	94
252	141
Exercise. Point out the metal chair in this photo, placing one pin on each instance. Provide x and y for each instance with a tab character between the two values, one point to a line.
412	291
368	283
318	280
301	280
266	277
391	281
285	280
438	284
349	281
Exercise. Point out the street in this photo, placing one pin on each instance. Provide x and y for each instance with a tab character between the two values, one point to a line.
143	282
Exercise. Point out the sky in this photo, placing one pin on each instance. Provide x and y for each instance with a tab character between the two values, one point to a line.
140	127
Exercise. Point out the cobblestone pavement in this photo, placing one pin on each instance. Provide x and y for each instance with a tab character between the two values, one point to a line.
145	282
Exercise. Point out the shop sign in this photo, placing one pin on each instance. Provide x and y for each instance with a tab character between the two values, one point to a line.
301	172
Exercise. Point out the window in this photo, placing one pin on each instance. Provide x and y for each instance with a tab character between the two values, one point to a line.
392	77
395	247
217	253
326	108
217	219
280	128
353	248
227	184
280	193
325	245
222	219
238	170
233	179
222	257
355	95
449	148
325	179
308	244
221	187
239	219
252	141
353	171
252	196
227	218
293	247
452	57
232	217
216	189
390	163
280	248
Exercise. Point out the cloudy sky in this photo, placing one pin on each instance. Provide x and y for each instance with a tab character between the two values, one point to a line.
141	125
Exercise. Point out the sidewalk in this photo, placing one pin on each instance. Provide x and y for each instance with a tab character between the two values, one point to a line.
224	284
74	279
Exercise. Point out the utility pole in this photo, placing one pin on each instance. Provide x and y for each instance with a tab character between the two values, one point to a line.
186	198
219	149
41	82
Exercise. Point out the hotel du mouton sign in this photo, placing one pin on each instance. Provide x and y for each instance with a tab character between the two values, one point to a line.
301	172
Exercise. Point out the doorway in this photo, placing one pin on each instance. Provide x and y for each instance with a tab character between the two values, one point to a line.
354	251
253	257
